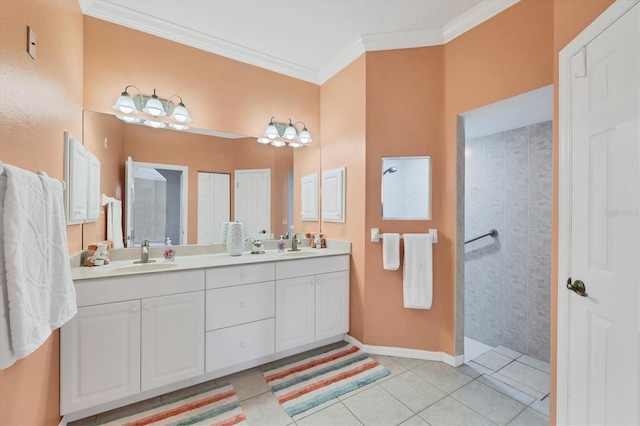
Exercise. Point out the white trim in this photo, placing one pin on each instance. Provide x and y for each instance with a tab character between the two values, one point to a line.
609	16
118	13
451	360
474	17
184	193
63	421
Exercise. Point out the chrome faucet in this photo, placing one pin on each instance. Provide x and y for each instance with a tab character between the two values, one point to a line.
144	252
294	243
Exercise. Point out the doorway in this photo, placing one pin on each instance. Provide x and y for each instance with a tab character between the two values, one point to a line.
505	182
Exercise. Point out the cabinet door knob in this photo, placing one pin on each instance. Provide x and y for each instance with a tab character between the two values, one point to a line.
243	305
243	344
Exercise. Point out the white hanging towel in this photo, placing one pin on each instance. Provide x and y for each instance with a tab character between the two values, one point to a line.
114	222
391	251
417	273
40	293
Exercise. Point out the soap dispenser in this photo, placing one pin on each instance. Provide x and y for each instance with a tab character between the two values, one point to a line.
169	251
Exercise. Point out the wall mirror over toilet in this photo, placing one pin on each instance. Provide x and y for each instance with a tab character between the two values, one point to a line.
406	188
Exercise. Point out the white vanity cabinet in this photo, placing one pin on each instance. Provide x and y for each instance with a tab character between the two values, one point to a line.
131	334
239	315
312	300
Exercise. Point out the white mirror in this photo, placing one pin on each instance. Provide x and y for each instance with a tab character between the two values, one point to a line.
406	188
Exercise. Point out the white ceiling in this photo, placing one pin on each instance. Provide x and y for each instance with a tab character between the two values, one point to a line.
307	39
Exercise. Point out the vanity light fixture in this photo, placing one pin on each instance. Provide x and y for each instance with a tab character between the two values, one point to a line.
281	134
154	107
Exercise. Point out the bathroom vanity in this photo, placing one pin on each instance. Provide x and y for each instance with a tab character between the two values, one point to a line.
145	330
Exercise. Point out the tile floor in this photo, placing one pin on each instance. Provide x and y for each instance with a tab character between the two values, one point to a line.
498	387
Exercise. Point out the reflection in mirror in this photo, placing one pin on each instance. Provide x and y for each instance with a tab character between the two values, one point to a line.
406	188
114	141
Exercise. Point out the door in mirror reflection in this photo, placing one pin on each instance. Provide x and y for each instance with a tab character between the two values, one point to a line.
252	205
214	206
155	198
406	188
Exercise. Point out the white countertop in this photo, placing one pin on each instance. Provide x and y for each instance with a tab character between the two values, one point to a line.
127	267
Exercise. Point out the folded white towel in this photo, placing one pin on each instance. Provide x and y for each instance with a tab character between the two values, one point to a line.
40	292
417	276
6	352
391	251
114	223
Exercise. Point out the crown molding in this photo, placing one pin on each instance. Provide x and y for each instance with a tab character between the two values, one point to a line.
402	39
473	17
132	19
121	15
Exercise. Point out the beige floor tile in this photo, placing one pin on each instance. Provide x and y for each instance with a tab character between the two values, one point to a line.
510	391
412	391
514	383
491	404
507	352
449	412
530	417
376	406
528	376
442	376
265	410
479	368
247	384
535	363
409	363
541	407
415	421
493	360
391	364
469	371
335	415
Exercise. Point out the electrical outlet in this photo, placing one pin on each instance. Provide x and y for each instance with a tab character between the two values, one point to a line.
304	227
343	231
31	42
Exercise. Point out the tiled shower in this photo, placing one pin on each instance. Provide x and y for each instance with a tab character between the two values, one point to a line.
508	179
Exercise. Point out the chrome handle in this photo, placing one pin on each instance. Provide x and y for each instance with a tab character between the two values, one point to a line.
577	287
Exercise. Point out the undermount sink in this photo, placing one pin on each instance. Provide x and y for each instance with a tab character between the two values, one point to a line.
144	267
301	253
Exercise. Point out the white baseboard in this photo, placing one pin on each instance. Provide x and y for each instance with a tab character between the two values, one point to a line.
63	421
452	360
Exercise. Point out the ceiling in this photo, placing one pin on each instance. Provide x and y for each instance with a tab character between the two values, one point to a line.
307	39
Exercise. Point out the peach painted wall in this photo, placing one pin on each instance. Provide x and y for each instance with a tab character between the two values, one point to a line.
570	17
343	110
97	127
39	100
220	93
405	102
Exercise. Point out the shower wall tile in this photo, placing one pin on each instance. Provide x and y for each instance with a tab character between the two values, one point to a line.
507	279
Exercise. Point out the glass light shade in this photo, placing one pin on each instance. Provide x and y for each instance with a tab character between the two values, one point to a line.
304	137
180	114
278	144
125	104
272	131
128	119
295	144
177	126
154	107
155	124
264	139
290	133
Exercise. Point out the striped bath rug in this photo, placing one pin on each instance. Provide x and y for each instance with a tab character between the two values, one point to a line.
217	405
320	375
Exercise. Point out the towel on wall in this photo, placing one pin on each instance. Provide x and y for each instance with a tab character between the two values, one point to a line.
39	289
391	251
114	222
417	272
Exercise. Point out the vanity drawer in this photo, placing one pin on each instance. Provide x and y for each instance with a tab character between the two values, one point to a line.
240	304
313	266
242	343
227	276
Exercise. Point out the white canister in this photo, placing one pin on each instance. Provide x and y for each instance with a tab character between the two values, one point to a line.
224	231
235	239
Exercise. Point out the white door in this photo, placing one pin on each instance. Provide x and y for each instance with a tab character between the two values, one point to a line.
129	200
252	205
214	205
172	339
599	354
332	304
100	355
295	315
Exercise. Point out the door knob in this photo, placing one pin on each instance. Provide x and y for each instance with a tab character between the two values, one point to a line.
577	287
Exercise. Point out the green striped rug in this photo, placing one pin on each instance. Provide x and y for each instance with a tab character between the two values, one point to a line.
217	405
321	375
